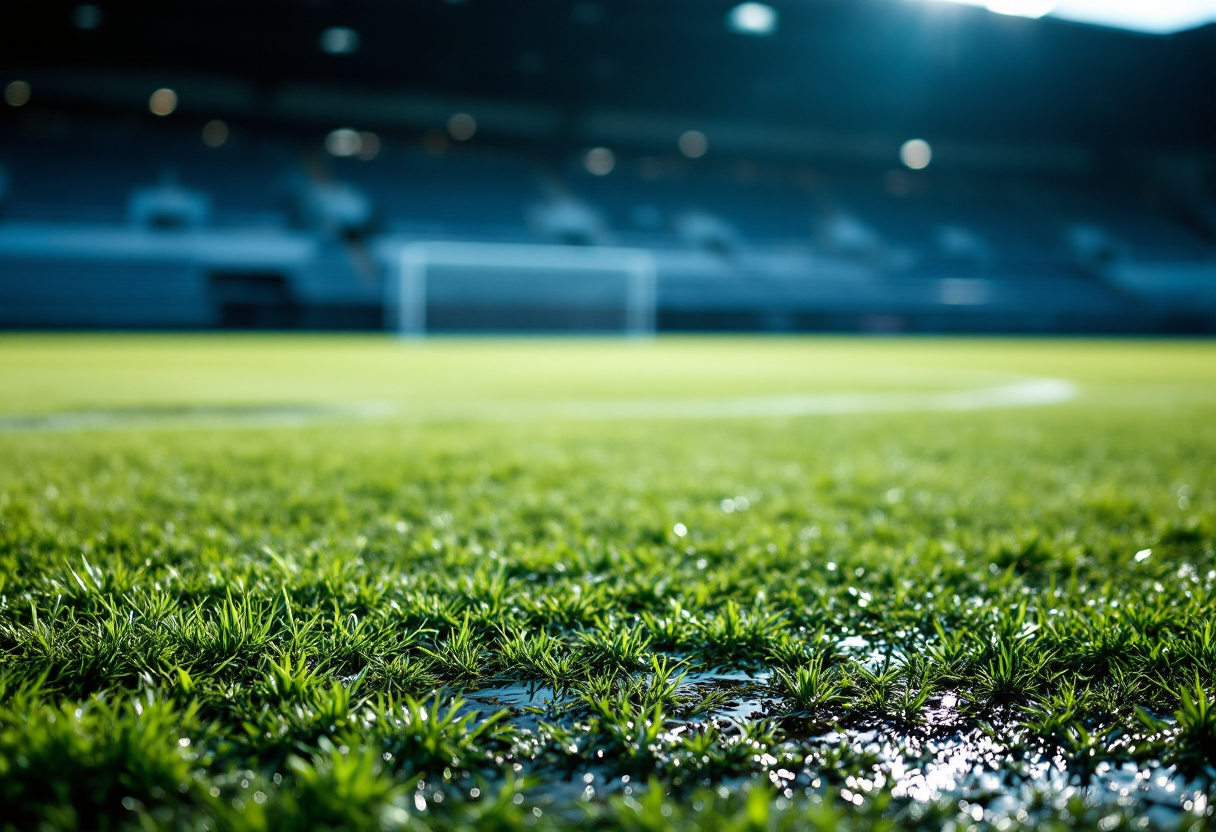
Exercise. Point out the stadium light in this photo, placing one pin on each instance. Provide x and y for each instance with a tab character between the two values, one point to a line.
17	93
1013	8
462	126
916	154
215	133
694	144
1021	8
162	102
344	142
754	19
339	40
599	161
1157	17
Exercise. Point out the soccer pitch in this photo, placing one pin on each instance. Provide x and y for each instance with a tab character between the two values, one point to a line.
715	583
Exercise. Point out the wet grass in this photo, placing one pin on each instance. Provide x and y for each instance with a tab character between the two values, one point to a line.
990	619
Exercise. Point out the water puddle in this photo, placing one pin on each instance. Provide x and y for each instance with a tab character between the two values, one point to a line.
517	696
734	696
993	771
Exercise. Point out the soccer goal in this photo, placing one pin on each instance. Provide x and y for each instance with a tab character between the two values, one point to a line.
515	287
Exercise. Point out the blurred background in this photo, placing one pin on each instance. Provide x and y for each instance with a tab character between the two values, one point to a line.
685	165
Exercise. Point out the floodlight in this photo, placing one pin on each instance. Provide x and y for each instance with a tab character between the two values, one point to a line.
1158	17
916	154
754	19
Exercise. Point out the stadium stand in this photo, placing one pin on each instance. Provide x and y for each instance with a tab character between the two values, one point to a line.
113	220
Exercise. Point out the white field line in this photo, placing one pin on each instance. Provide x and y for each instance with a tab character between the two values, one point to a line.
1031	393
1026	393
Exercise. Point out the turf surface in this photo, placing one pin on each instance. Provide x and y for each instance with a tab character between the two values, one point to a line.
289	583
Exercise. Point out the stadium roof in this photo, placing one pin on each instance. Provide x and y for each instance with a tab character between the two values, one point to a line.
848	67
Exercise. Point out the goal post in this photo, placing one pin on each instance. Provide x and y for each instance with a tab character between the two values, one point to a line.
455	286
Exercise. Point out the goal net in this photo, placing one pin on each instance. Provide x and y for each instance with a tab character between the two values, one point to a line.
505	287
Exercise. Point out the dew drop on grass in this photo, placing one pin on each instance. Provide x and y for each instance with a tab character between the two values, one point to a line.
1143	555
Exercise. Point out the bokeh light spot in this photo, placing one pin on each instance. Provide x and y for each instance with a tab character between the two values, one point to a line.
461	127
599	161
339	40
344	142
756	19
17	93
694	144
215	133
162	102
916	154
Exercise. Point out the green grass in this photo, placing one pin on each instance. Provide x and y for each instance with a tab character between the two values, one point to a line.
444	595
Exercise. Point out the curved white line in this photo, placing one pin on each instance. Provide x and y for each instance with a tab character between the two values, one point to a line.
1028	393
1031	393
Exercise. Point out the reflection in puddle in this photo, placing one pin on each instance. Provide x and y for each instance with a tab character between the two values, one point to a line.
517	696
736	690
993	771
992	783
